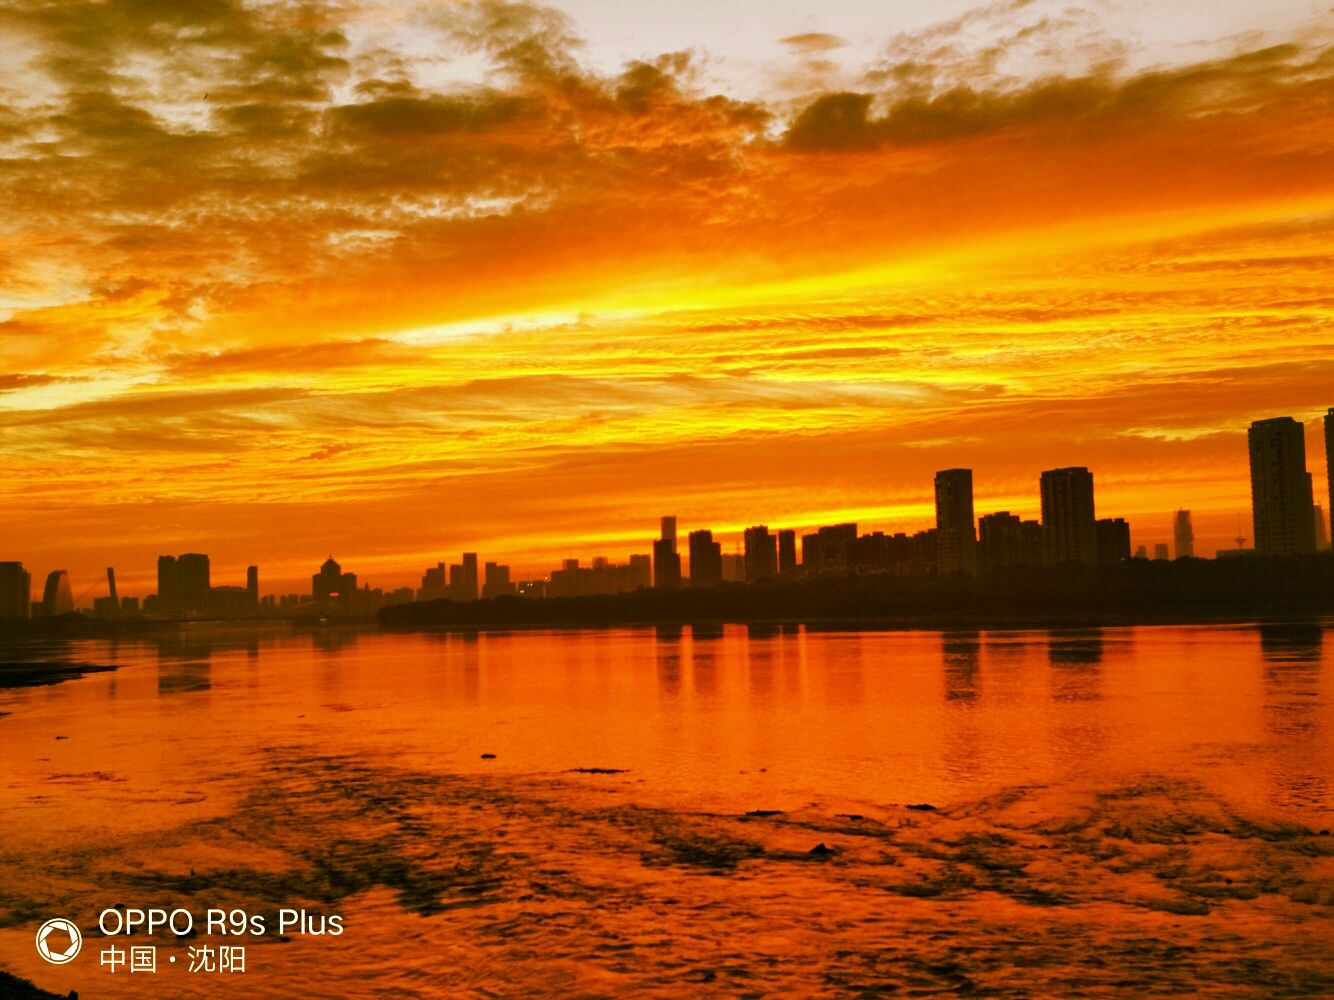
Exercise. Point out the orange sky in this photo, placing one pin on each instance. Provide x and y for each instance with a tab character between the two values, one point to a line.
393	281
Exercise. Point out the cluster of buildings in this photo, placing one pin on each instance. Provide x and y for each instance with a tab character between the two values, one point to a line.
1286	521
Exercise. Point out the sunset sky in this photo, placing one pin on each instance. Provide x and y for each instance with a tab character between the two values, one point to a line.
395	280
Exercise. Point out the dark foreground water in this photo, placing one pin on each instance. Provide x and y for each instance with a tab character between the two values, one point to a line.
1119	812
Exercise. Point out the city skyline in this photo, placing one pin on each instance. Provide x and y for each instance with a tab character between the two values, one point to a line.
1285	516
402	292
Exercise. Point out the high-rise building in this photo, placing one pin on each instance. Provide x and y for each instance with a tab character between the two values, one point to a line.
1321	537
1282	507
829	549
469	583
706	559
194	580
1329	466
1068	519
1183	532
956	536
1161	551
57	597
331	586
435	584
787	551
1005	540
666	560
252	586
761	553
1113	540
15	590
168	584
497	580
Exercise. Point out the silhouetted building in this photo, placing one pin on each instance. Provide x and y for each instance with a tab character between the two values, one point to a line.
666	560
129	605
194	581
113	597
1321	538
1281	503
1329	466
706	559
1068	520
955	534
252	586
830	549
15	590
1113	540
228	602
497	581
435	586
331	586
1161	551
463	578
603	577
761	553
1183	533
57	597
787	551
168	585
1004	540
1141	552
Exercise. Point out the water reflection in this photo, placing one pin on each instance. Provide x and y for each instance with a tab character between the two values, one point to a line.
1075	656
961	654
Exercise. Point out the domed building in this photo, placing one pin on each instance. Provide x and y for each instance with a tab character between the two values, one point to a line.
331	586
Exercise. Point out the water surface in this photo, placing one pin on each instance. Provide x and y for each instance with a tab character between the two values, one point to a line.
1116	812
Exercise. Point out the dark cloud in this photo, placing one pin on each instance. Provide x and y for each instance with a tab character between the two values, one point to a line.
11	382
848	120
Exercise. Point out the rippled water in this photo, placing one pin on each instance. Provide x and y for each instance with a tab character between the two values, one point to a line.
1117	812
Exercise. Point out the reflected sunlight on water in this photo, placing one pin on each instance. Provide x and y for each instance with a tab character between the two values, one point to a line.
1117	811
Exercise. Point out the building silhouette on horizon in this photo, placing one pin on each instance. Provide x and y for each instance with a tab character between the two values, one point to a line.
1113	537
57	596
1183	534
1004	540
15	591
1329	470
956	540
706	559
666	558
1069	524
761	547
1282	507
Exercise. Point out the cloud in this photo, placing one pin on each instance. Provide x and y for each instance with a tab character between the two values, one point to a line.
813	42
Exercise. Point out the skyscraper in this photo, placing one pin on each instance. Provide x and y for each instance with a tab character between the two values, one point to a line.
57	598
168	584
1184	534
706	559
1329	466
331	585
1068	520
15	590
1321	535
468	583
761	553
1113	540
666	560
1281	501
194	579
496	582
787	551
955	533
252	586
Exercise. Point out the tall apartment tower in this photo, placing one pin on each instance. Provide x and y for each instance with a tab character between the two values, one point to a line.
15	590
1183	532
761	552
787	550
1069	525
194	580
252	586
57	596
706	559
1281	501
666	560
956	536
1329	467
